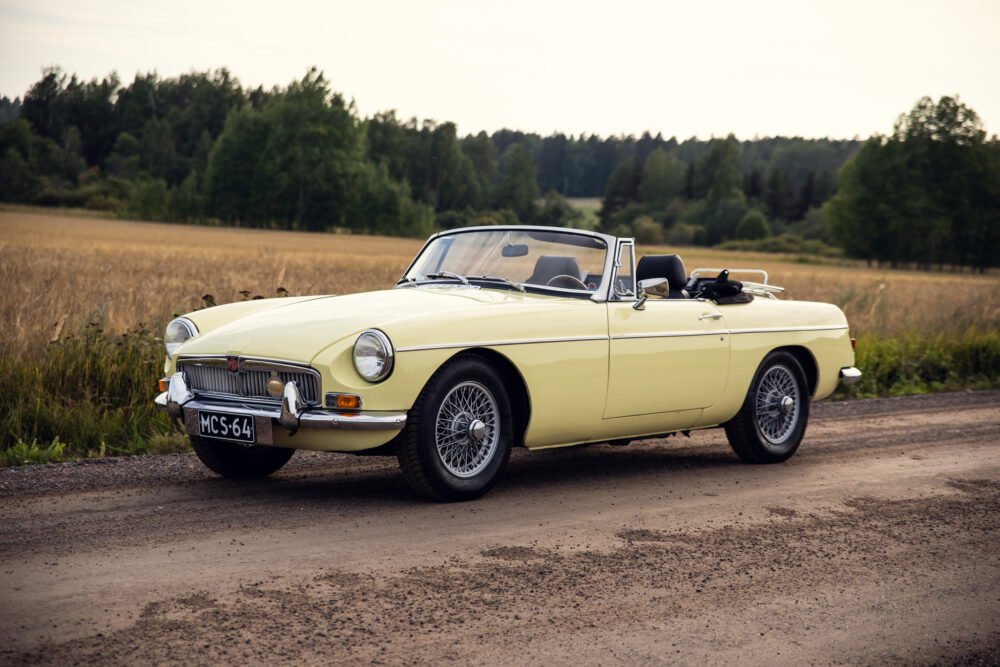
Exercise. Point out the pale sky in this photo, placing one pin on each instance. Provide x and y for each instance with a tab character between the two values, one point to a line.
768	67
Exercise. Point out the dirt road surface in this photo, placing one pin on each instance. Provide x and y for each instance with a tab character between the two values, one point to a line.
879	542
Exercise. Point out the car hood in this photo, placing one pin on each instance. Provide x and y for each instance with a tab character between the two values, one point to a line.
300	330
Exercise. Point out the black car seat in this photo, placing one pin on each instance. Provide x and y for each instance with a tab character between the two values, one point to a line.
664	266
549	266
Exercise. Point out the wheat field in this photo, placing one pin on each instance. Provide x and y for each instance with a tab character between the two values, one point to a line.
61	272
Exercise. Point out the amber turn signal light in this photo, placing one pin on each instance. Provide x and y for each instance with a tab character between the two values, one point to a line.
343	401
163	383
348	402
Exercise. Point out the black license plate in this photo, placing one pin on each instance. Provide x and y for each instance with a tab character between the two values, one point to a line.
227	426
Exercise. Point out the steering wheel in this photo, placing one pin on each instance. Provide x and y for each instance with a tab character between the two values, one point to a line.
566	280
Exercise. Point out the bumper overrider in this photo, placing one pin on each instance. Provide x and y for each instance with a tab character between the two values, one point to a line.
849	375
180	403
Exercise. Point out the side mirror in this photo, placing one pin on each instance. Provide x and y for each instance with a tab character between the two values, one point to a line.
654	286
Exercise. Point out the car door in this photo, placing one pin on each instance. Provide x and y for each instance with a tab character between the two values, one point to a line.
673	354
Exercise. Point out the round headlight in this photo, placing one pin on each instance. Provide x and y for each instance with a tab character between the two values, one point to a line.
178	332
373	355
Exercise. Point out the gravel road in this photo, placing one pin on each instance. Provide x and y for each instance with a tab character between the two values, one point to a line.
879	542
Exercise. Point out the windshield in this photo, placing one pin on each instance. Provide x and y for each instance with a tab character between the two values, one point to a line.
536	258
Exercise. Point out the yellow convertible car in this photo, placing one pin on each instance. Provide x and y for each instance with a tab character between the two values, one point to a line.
501	337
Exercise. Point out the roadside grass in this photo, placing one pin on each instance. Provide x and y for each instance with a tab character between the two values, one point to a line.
915	364
85	300
84	395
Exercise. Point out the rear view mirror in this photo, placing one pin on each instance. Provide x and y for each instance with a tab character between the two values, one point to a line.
515	250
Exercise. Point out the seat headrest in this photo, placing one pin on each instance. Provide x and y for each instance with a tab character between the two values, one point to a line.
662	266
549	266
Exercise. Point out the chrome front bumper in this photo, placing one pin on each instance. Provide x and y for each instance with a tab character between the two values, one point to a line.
849	375
180	403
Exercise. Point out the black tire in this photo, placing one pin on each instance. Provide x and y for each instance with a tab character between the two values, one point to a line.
772	435
237	462
443	454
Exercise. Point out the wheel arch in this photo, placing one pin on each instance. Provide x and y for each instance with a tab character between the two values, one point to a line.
808	362
517	388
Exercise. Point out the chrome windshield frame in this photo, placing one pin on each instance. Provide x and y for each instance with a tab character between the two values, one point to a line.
601	295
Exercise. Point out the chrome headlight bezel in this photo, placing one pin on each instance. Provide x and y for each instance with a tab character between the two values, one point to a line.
179	331
373	340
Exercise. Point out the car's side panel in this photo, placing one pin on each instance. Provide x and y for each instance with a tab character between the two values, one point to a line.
566	387
764	325
672	355
626	428
559	346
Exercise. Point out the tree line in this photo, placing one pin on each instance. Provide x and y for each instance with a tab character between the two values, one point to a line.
928	194
201	148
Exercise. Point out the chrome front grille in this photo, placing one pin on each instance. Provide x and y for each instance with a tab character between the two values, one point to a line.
212	377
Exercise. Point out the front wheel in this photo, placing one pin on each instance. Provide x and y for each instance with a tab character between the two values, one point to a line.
236	462
770	425
458	435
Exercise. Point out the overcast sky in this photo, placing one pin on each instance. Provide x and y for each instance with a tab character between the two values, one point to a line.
838	68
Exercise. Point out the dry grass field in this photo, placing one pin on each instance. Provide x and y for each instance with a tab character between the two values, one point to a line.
61	272
71	270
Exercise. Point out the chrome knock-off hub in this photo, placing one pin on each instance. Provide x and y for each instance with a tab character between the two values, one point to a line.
477	431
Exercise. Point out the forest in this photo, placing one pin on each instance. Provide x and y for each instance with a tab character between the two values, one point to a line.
201	148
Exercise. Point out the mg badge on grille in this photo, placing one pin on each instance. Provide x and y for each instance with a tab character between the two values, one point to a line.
275	387
233	364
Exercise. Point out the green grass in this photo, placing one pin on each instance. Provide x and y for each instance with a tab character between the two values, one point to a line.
917	364
67	212
90	395
84	396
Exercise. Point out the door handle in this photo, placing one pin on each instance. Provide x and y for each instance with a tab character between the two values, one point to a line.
710	316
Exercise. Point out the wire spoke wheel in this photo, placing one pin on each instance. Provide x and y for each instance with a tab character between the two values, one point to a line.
777	404
467	429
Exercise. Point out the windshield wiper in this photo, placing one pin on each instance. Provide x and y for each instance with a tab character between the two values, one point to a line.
518	286
448	274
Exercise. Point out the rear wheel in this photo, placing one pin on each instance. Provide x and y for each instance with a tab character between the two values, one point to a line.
770	425
237	462
458	435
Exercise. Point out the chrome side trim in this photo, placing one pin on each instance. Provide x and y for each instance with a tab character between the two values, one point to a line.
671	334
820	327
849	375
574	339
524	341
